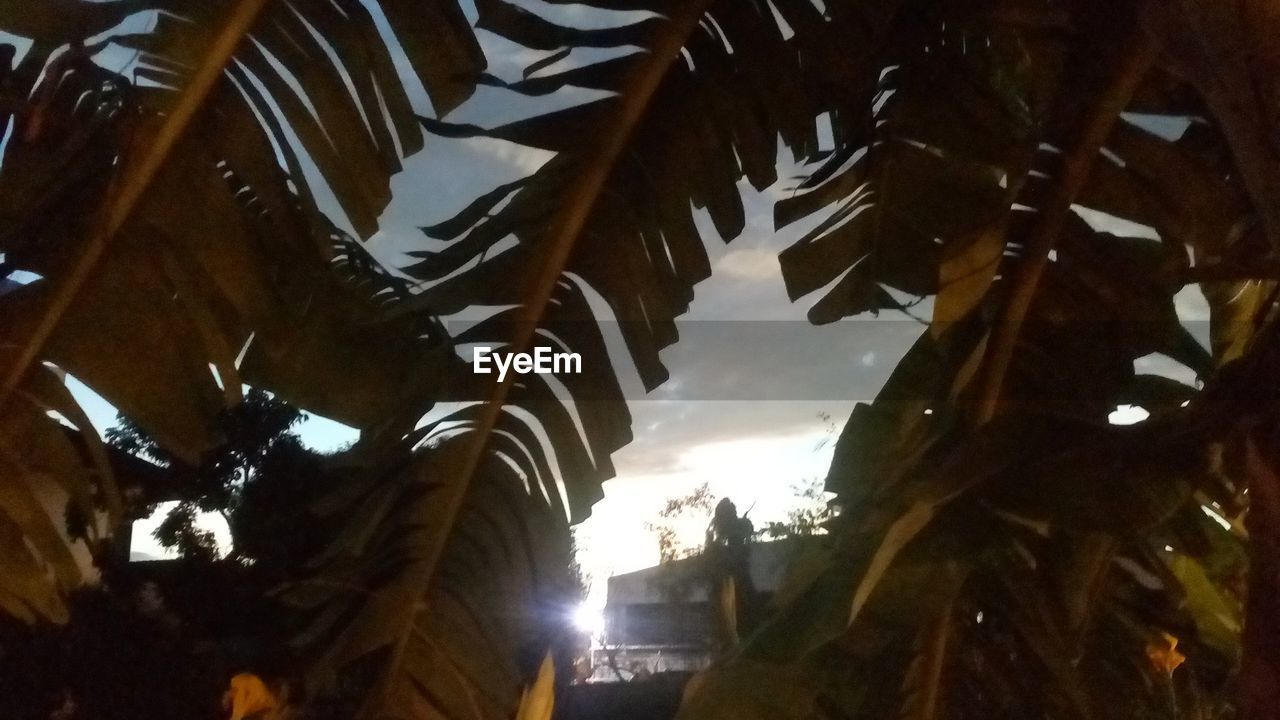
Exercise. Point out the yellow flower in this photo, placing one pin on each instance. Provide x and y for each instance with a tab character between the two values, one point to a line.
1164	653
248	696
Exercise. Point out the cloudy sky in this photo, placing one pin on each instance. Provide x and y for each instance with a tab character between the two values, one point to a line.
754	448
750	382
756	394
791	384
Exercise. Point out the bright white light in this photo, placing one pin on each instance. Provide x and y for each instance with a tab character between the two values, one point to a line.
1127	415
1226	524
589	620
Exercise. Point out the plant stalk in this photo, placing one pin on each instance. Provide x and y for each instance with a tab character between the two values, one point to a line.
130	185
1260	662
565	231
1077	163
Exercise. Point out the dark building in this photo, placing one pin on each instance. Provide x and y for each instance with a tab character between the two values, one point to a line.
660	619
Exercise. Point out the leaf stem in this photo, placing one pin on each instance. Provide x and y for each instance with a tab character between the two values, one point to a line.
1076	165
565	229
130	185
1209	46
1260	664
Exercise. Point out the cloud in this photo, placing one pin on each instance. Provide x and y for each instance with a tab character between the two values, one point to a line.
749	264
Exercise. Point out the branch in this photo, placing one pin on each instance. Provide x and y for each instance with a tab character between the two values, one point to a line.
128	187
1077	163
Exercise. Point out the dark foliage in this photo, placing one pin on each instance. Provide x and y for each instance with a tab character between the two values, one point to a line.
261	479
121	657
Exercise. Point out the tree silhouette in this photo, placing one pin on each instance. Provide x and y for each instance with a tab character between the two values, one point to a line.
260	480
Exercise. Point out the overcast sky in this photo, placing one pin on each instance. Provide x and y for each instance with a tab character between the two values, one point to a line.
755	449
798	383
